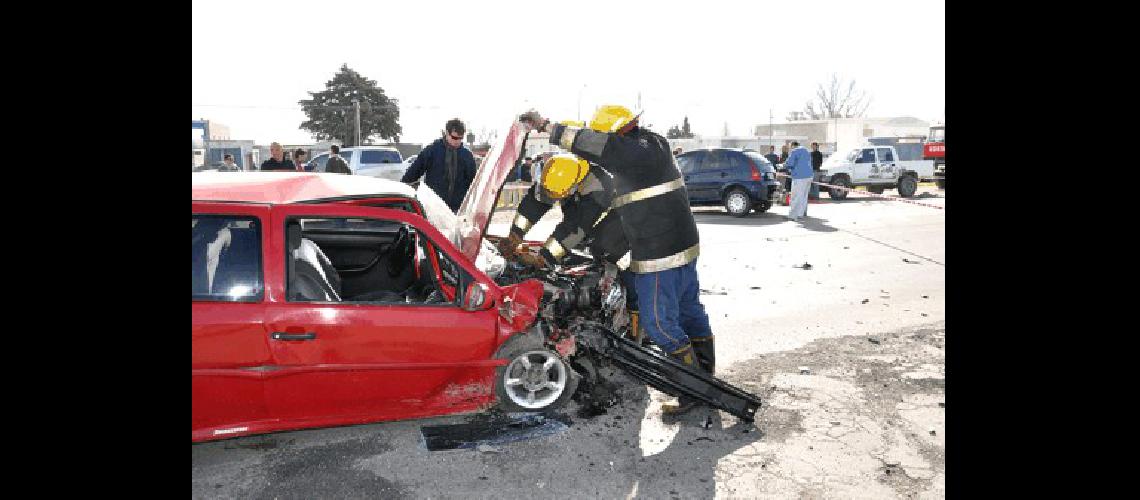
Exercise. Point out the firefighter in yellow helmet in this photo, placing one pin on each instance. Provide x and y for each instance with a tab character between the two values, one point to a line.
650	199
584	193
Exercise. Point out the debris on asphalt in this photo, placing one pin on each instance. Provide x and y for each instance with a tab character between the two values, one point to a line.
804	370
874	340
908	261
712	292
926	296
942	404
805	266
485	433
932	433
924	314
866	300
754	288
845	248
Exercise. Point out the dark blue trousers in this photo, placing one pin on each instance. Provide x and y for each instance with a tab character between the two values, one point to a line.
671	309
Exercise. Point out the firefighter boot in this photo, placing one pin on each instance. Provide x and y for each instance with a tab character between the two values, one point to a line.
705	350
683	404
636	334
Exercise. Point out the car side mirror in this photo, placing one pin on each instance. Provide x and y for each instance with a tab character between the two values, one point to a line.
477	298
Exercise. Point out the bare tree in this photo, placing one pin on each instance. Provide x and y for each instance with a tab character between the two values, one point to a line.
837	101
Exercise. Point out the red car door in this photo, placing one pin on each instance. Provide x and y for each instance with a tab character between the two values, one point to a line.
344	362
229	346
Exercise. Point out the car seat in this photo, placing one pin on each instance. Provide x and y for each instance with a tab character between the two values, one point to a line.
311	274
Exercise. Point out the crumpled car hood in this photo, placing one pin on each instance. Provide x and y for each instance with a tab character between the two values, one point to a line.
475	211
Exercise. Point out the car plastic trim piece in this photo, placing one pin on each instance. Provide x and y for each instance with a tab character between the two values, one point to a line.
667	375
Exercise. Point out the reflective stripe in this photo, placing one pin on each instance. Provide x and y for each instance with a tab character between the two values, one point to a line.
648	192
522	222
676	260
555	248
567	139
600	217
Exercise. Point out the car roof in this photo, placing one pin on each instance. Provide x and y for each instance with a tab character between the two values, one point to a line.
697	150
370	148
279	188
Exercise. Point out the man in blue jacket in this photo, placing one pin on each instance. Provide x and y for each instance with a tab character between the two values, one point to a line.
799	166
448	167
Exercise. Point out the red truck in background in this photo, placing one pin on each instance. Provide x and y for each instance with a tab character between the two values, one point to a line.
935	149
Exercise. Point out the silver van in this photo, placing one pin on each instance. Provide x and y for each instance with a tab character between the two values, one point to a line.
374	161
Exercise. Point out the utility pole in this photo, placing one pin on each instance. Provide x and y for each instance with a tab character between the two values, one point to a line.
580	101
356	111
769	126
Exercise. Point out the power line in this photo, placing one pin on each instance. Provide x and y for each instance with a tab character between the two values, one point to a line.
299	108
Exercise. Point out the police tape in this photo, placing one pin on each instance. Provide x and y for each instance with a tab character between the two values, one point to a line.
868	193
512	193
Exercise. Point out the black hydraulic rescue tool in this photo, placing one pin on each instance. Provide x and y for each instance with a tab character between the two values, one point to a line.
666	374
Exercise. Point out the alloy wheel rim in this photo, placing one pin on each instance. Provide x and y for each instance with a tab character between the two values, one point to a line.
736	202
535	379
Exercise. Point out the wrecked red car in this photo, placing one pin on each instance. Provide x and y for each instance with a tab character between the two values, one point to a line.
323	300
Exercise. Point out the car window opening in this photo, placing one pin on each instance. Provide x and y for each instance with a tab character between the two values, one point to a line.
364	260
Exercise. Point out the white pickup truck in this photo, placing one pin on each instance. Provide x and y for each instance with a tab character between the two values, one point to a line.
876	167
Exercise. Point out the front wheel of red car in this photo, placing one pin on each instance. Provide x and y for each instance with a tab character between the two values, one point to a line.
535	378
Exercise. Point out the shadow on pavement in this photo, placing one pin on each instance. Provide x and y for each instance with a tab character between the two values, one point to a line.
812	223
753	219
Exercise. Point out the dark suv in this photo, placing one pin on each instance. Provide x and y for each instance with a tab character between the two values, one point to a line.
740	179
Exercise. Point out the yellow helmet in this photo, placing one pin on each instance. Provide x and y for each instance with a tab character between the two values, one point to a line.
611	118
561	173
572	123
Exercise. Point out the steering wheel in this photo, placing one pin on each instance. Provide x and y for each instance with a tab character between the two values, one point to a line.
400	254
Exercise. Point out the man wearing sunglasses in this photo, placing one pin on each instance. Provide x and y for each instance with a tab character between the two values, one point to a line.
447	166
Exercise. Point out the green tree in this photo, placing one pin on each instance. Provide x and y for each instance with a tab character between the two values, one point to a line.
330	114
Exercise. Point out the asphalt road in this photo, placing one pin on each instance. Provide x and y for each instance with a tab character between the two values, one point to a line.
847	356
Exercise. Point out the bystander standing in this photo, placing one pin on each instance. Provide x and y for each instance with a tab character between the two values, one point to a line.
277	159
799	166
772	156
336	164
816	163
299	159
446	166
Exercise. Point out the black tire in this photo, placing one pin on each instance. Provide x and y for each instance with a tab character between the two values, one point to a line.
762	207
838	194
876	189
908	184
531	346
941	183
737	203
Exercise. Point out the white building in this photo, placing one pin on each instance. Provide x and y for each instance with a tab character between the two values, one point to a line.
843	133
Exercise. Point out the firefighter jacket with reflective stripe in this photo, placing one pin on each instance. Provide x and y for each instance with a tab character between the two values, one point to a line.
649	193
586	220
